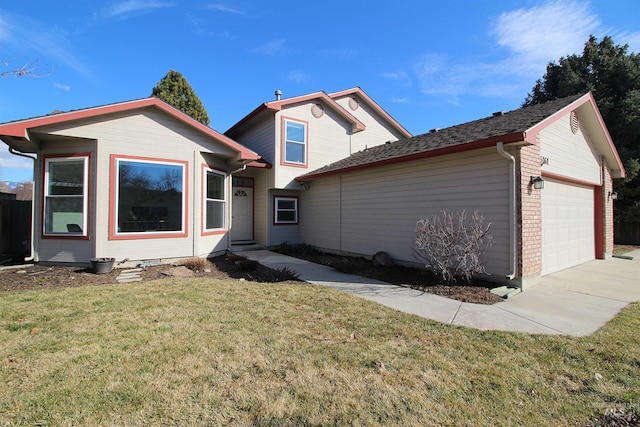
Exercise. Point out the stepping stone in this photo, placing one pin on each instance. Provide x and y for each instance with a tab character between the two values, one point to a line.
129	276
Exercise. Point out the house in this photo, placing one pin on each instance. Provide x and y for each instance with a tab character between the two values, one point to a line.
371	200
141	180
294	136
136	180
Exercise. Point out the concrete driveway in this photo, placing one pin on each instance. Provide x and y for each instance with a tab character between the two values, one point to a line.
577	301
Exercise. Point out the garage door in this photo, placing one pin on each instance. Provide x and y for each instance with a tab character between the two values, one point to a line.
567	225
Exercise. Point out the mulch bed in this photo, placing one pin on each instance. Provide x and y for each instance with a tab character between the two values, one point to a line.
478	292
237	267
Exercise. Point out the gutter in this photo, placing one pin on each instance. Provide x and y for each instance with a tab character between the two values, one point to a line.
33	202
512	209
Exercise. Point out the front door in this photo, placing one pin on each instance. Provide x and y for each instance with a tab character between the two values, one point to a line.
242	216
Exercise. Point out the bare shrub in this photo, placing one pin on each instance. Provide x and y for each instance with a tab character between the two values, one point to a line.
453	245
196	264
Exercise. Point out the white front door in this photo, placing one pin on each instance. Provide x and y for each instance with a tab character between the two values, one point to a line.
242	215
568	229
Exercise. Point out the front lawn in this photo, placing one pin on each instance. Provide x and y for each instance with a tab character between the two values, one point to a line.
219	352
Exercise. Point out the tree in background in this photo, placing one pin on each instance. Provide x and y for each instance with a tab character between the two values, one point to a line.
176	91
613	75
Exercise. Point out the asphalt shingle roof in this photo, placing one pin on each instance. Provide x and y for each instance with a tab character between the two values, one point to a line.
495	126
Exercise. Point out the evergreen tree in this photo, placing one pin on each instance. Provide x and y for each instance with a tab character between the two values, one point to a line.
176	91
613	76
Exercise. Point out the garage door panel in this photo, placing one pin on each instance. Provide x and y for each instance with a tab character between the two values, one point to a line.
567	224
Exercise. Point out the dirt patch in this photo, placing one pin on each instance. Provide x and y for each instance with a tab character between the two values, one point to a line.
238	267
478	292
47	277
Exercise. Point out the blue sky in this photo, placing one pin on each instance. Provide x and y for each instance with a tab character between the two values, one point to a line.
429	64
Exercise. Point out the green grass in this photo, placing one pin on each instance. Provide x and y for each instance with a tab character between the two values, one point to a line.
203	352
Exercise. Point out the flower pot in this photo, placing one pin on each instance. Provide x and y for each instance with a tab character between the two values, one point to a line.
102	265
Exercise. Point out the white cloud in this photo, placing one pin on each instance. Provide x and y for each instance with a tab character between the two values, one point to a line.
544	33
220	7
401	77
298	76
631	39
401	100
274	47
10	161
45	42
526	40
125	8
60	86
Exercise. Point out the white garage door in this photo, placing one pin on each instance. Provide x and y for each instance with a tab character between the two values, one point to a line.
567	225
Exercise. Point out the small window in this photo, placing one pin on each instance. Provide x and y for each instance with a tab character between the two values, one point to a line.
65	196
214	200
295	142
286	210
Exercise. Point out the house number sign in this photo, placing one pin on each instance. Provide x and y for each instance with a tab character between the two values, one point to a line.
544	160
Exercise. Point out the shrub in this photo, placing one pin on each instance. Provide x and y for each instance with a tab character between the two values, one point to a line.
196	263
301	249
453	245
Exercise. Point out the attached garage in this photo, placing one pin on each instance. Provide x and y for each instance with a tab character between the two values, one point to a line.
370	201
568	231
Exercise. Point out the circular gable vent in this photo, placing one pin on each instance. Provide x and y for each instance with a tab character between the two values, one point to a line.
353	104
317	110
575	122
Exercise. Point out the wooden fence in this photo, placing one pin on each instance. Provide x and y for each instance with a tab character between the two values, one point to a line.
15	227
627	233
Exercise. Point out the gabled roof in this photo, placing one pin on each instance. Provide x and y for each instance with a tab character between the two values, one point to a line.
517	126
373	105
277	105
17	132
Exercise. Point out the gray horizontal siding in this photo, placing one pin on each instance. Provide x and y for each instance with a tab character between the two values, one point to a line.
379	208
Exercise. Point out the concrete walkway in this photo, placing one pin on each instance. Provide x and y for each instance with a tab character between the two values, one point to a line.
577	301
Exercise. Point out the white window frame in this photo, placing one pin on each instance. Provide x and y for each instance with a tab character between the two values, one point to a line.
85	196
277	209
287	141
115	233
206	199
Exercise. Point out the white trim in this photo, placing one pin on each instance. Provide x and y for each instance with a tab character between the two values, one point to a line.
84	195
304	143
205	199
276	209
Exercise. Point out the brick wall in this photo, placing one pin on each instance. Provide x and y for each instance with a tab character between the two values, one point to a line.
529	212
607	187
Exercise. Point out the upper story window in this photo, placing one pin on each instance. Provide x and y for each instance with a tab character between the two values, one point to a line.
66	201
214	200
148	198
295	142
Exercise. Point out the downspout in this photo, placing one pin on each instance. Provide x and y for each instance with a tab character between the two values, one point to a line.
33	203
243	168
512	209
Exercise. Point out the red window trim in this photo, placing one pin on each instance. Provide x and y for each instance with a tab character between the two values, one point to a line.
283	143
87	236
112	200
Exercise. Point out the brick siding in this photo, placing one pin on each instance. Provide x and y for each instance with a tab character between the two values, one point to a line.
529	212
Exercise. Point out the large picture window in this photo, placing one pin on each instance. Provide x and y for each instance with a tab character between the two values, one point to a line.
295	142
286	210
149	196
66	196
214	199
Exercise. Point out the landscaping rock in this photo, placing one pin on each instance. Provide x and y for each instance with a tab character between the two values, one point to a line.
382	259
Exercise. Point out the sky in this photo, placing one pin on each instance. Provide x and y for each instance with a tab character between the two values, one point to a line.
429	64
